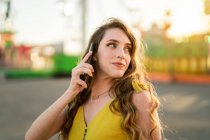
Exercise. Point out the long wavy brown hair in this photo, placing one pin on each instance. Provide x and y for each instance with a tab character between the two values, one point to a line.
121	89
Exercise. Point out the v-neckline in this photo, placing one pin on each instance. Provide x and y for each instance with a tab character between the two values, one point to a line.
96	115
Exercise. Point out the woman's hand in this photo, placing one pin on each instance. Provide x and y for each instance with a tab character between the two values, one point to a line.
76	83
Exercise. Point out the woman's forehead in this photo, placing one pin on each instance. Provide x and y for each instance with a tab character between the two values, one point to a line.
116	34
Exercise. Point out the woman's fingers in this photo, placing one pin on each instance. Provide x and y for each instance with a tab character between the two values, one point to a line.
89	66
81	70
82	84
85	71
77	85
84	60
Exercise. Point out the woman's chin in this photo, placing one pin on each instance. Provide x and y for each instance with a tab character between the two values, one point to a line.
119	75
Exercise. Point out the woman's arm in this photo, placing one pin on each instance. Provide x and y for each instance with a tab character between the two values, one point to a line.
143	102
51	120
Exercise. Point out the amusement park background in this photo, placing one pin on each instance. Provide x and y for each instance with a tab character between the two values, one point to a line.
41	41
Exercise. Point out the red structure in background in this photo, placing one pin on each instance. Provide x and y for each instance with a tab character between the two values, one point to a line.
22	56
12	56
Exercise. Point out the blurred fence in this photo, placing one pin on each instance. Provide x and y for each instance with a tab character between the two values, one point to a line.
191	65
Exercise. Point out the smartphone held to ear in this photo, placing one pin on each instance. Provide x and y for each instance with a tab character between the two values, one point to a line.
85	76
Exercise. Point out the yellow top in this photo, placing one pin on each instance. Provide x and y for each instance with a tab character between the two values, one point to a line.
104	126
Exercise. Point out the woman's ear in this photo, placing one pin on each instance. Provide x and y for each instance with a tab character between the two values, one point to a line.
94	58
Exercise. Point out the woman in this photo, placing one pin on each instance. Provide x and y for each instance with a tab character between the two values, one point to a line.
116	101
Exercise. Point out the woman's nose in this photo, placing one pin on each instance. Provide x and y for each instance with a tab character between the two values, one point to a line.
120	53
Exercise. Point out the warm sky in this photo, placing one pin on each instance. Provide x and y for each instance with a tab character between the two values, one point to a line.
38	22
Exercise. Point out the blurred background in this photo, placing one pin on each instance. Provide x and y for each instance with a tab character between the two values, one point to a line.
41	41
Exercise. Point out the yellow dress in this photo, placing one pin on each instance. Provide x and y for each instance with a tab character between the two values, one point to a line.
104	126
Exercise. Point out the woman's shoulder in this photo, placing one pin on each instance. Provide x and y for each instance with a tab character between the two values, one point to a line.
142	100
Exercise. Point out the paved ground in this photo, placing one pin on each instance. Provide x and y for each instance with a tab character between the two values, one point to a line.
185	107
185	111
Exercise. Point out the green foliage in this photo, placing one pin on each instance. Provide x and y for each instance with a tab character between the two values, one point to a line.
157	49
190	49
7	32
160	49
8	44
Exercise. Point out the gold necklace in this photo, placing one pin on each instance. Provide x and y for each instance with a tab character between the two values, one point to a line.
96	97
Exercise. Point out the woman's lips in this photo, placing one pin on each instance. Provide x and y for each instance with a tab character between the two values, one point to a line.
119	64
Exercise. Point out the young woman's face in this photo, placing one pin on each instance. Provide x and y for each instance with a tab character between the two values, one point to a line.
113	56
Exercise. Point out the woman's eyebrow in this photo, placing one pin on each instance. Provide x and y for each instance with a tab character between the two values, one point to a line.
113	40
116	41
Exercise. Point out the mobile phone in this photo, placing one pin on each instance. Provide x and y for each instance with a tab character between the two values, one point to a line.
85	76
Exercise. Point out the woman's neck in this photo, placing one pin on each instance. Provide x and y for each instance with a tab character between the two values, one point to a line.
100	85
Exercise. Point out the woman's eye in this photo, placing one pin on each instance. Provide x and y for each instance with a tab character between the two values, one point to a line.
128	49
111	45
